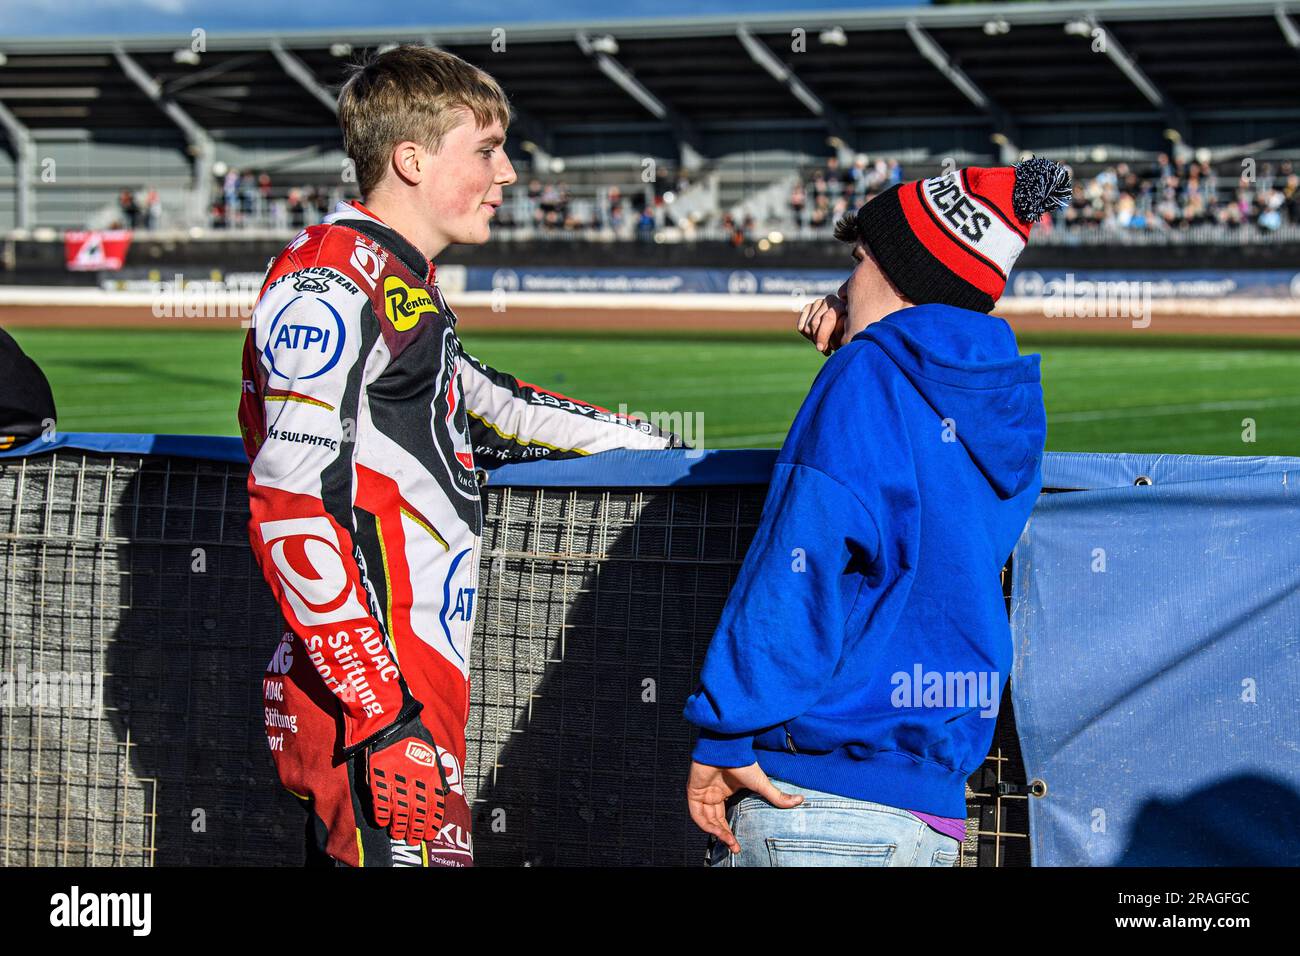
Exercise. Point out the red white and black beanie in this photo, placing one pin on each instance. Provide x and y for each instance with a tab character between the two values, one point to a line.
953	239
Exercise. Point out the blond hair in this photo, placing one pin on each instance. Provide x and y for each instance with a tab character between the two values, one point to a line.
411	93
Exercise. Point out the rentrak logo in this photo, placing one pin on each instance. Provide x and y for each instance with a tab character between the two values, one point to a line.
403	305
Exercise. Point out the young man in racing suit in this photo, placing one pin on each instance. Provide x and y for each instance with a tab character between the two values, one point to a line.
363	419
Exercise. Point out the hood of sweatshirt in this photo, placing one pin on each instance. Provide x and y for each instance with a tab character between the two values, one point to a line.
967	367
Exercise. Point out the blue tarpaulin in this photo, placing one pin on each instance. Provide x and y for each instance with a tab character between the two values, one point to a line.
1156	680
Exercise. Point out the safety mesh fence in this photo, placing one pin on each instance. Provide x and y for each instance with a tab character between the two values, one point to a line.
135	627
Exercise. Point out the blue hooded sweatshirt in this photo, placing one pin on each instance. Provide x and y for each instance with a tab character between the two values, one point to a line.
865	646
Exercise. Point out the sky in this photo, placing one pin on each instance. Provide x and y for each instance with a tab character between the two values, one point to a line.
119	17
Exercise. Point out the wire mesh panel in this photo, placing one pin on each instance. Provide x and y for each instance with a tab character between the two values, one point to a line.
600	607
134	575
135	627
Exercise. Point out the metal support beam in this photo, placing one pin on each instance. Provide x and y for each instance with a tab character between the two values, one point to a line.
837	124
209	72
24	151
1288	27
300	72
687	139
200	143
1003	125
1115	51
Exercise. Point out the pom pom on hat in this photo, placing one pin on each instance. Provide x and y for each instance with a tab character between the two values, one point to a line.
1041	184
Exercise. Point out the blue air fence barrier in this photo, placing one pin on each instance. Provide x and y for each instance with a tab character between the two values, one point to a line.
126	562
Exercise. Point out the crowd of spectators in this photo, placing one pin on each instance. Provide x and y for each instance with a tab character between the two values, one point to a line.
1176	195
1171	194
139	209
819	199
551	206
247	199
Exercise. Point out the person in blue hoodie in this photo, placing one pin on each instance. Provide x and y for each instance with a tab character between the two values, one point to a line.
853	681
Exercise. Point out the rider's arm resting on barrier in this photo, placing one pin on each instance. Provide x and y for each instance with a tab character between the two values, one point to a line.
511	421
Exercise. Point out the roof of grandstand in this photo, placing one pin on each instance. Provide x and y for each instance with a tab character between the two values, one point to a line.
1219	72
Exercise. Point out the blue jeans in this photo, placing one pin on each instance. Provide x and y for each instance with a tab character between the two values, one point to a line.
829	830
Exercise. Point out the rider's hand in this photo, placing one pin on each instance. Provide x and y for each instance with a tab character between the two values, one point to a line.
408	786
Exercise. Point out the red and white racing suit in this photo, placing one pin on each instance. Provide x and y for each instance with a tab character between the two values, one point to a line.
363	419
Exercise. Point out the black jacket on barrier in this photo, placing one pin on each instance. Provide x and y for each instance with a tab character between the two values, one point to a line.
26	402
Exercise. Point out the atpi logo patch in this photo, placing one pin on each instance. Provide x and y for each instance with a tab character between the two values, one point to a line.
403	305
305	342
457	605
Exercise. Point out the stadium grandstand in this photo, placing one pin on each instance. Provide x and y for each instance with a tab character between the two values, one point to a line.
1179	119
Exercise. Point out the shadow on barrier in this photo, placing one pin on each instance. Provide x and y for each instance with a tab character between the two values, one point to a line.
1244	820
184	668
592	751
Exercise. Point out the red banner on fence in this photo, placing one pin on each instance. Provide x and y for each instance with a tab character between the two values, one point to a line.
102	250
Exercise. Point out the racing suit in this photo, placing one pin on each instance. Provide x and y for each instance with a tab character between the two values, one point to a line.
363	419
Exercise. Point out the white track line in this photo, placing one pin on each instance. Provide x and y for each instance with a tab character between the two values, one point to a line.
1157	411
